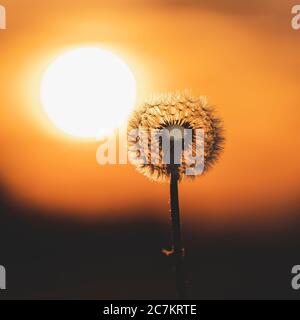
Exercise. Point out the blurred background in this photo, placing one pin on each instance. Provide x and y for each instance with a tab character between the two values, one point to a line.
71	228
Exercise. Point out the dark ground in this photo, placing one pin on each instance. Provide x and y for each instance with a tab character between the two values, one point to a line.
62	258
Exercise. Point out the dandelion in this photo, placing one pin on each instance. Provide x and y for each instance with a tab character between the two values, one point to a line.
148	127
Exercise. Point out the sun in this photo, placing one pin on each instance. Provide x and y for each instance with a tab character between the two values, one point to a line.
88	92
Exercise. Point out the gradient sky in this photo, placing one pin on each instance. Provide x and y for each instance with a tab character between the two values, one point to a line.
244	56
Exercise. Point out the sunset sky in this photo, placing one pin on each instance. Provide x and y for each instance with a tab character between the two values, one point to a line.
71	228
244	56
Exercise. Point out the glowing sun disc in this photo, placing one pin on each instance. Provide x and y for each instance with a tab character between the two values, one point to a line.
88	92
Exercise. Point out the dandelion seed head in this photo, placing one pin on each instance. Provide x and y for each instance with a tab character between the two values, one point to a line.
179	110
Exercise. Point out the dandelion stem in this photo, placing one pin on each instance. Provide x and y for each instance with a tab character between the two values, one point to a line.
176	227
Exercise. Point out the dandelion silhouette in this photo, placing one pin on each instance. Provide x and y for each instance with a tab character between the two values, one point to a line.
180	113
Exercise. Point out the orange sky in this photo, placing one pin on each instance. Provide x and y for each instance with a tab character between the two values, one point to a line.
244	57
